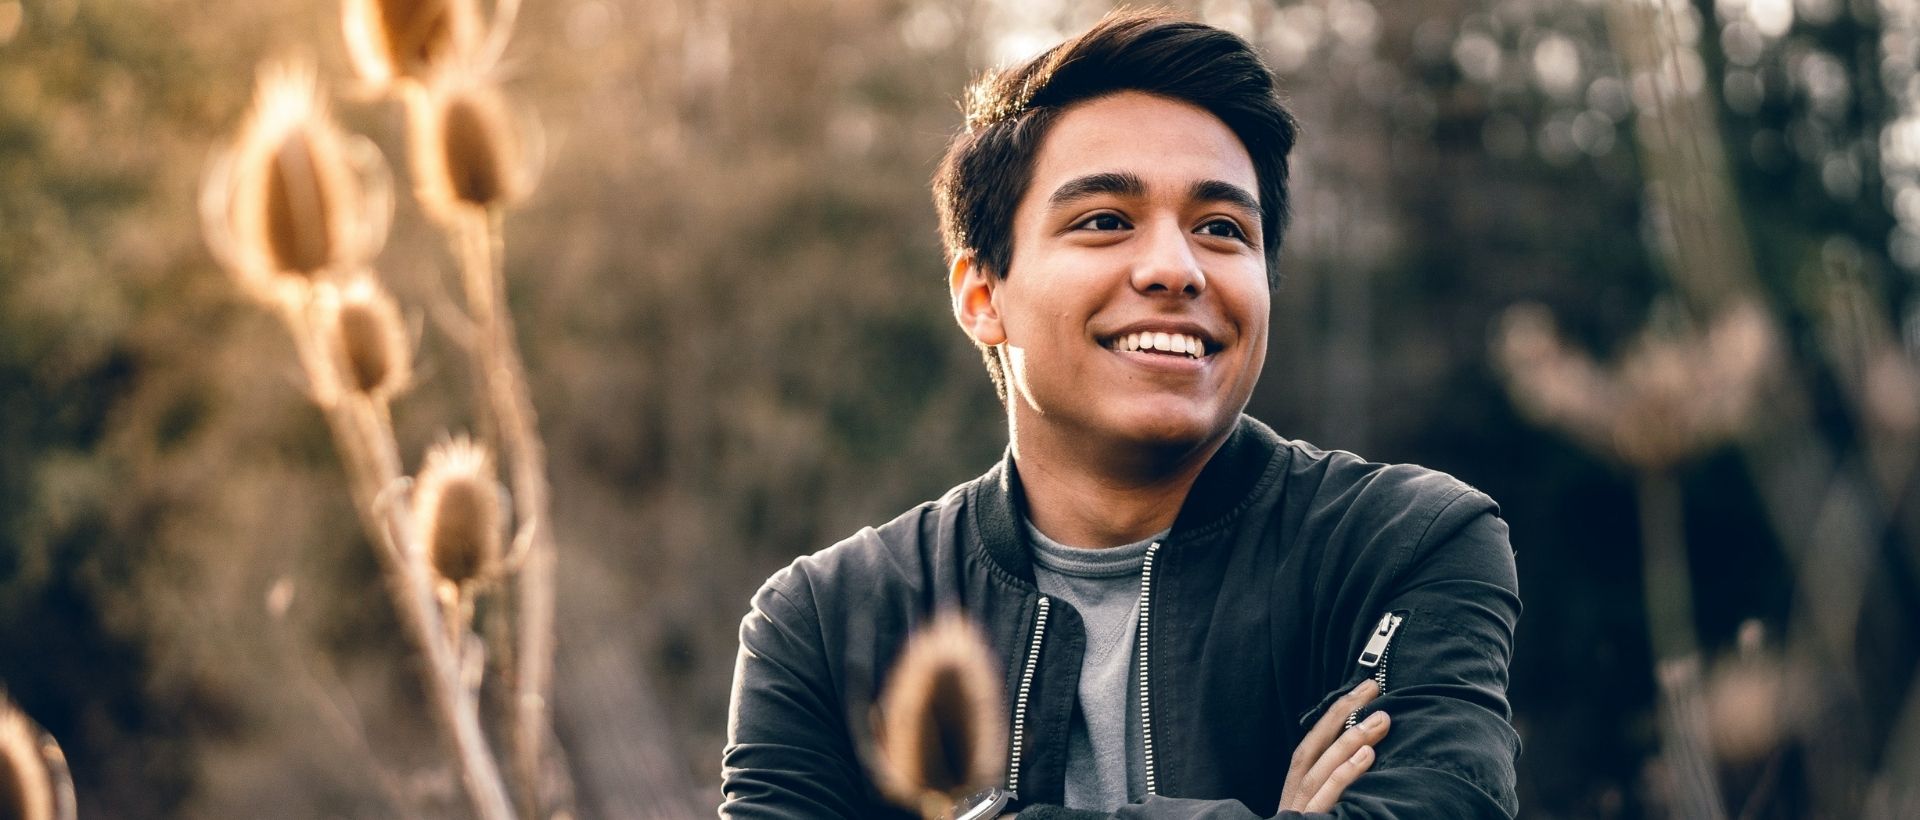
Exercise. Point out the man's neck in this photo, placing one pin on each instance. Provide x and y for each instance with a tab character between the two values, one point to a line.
1096	497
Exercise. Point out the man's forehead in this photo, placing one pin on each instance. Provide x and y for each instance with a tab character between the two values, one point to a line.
1161	145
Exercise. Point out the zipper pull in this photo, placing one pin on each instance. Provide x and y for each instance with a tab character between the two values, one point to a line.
1382	635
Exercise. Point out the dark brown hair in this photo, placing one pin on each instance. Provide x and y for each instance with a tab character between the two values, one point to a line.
989	164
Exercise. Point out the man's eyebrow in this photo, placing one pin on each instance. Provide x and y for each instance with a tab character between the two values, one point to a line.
1213	190
1111	182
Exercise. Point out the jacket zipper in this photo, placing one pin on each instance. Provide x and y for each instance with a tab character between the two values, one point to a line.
1146	714
1020	702
1374	655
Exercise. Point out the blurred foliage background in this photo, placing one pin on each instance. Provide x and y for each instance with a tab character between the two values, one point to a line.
732	302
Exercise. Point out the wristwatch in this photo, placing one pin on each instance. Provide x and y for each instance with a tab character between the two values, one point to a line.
984	804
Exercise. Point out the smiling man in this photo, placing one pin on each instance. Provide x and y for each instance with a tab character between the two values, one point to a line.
1197	617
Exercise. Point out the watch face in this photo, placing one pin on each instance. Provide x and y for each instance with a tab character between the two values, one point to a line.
981	805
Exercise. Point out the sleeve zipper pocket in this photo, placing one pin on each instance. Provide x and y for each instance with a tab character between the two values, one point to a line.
1374	655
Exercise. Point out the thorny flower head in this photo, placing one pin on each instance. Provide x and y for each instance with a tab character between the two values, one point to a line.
294	199
941	732
366	339
457	516
34	783
406	40
469	153
1669	397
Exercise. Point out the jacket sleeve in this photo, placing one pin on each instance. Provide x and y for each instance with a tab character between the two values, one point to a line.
788	752
1155	807
1452	749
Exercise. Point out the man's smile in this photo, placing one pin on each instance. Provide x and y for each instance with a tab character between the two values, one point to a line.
1163	344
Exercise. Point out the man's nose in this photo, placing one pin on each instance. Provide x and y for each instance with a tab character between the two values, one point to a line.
1166	264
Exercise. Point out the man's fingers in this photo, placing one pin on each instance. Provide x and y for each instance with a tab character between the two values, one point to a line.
1350	742
1328	727
1342	777
1314	745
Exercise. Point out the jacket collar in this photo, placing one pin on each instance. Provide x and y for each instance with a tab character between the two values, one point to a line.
1231	479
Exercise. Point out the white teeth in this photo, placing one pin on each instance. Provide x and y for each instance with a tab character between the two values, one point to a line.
1165	342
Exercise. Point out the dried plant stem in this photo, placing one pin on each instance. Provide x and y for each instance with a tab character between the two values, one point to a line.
366	443
1669	601
503	377
1668	582
335	704
1683	720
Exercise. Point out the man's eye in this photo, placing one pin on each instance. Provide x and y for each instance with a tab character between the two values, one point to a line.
1104	222
1223	227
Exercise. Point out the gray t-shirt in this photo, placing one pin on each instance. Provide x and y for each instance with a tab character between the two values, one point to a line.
1105	763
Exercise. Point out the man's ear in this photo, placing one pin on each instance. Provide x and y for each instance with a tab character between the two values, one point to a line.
974	304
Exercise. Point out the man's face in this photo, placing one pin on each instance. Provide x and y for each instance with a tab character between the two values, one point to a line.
1135	310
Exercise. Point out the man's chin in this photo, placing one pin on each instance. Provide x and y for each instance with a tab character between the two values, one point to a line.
1131	426
1167	431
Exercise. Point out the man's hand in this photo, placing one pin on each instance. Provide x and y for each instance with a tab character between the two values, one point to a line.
1328	760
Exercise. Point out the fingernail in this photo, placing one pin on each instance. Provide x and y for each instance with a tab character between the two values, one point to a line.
1376	720
1360	755
1366	687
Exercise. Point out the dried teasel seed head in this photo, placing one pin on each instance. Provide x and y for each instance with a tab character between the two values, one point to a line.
1672	395
293	183
392	40
456	513
293	198
941	733
1659	382
1689	391
24	790
1550	382
368	340
34	784
1749	714
1891	393
466	150
295	203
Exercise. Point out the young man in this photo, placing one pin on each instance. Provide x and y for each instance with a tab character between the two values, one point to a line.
1188	606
